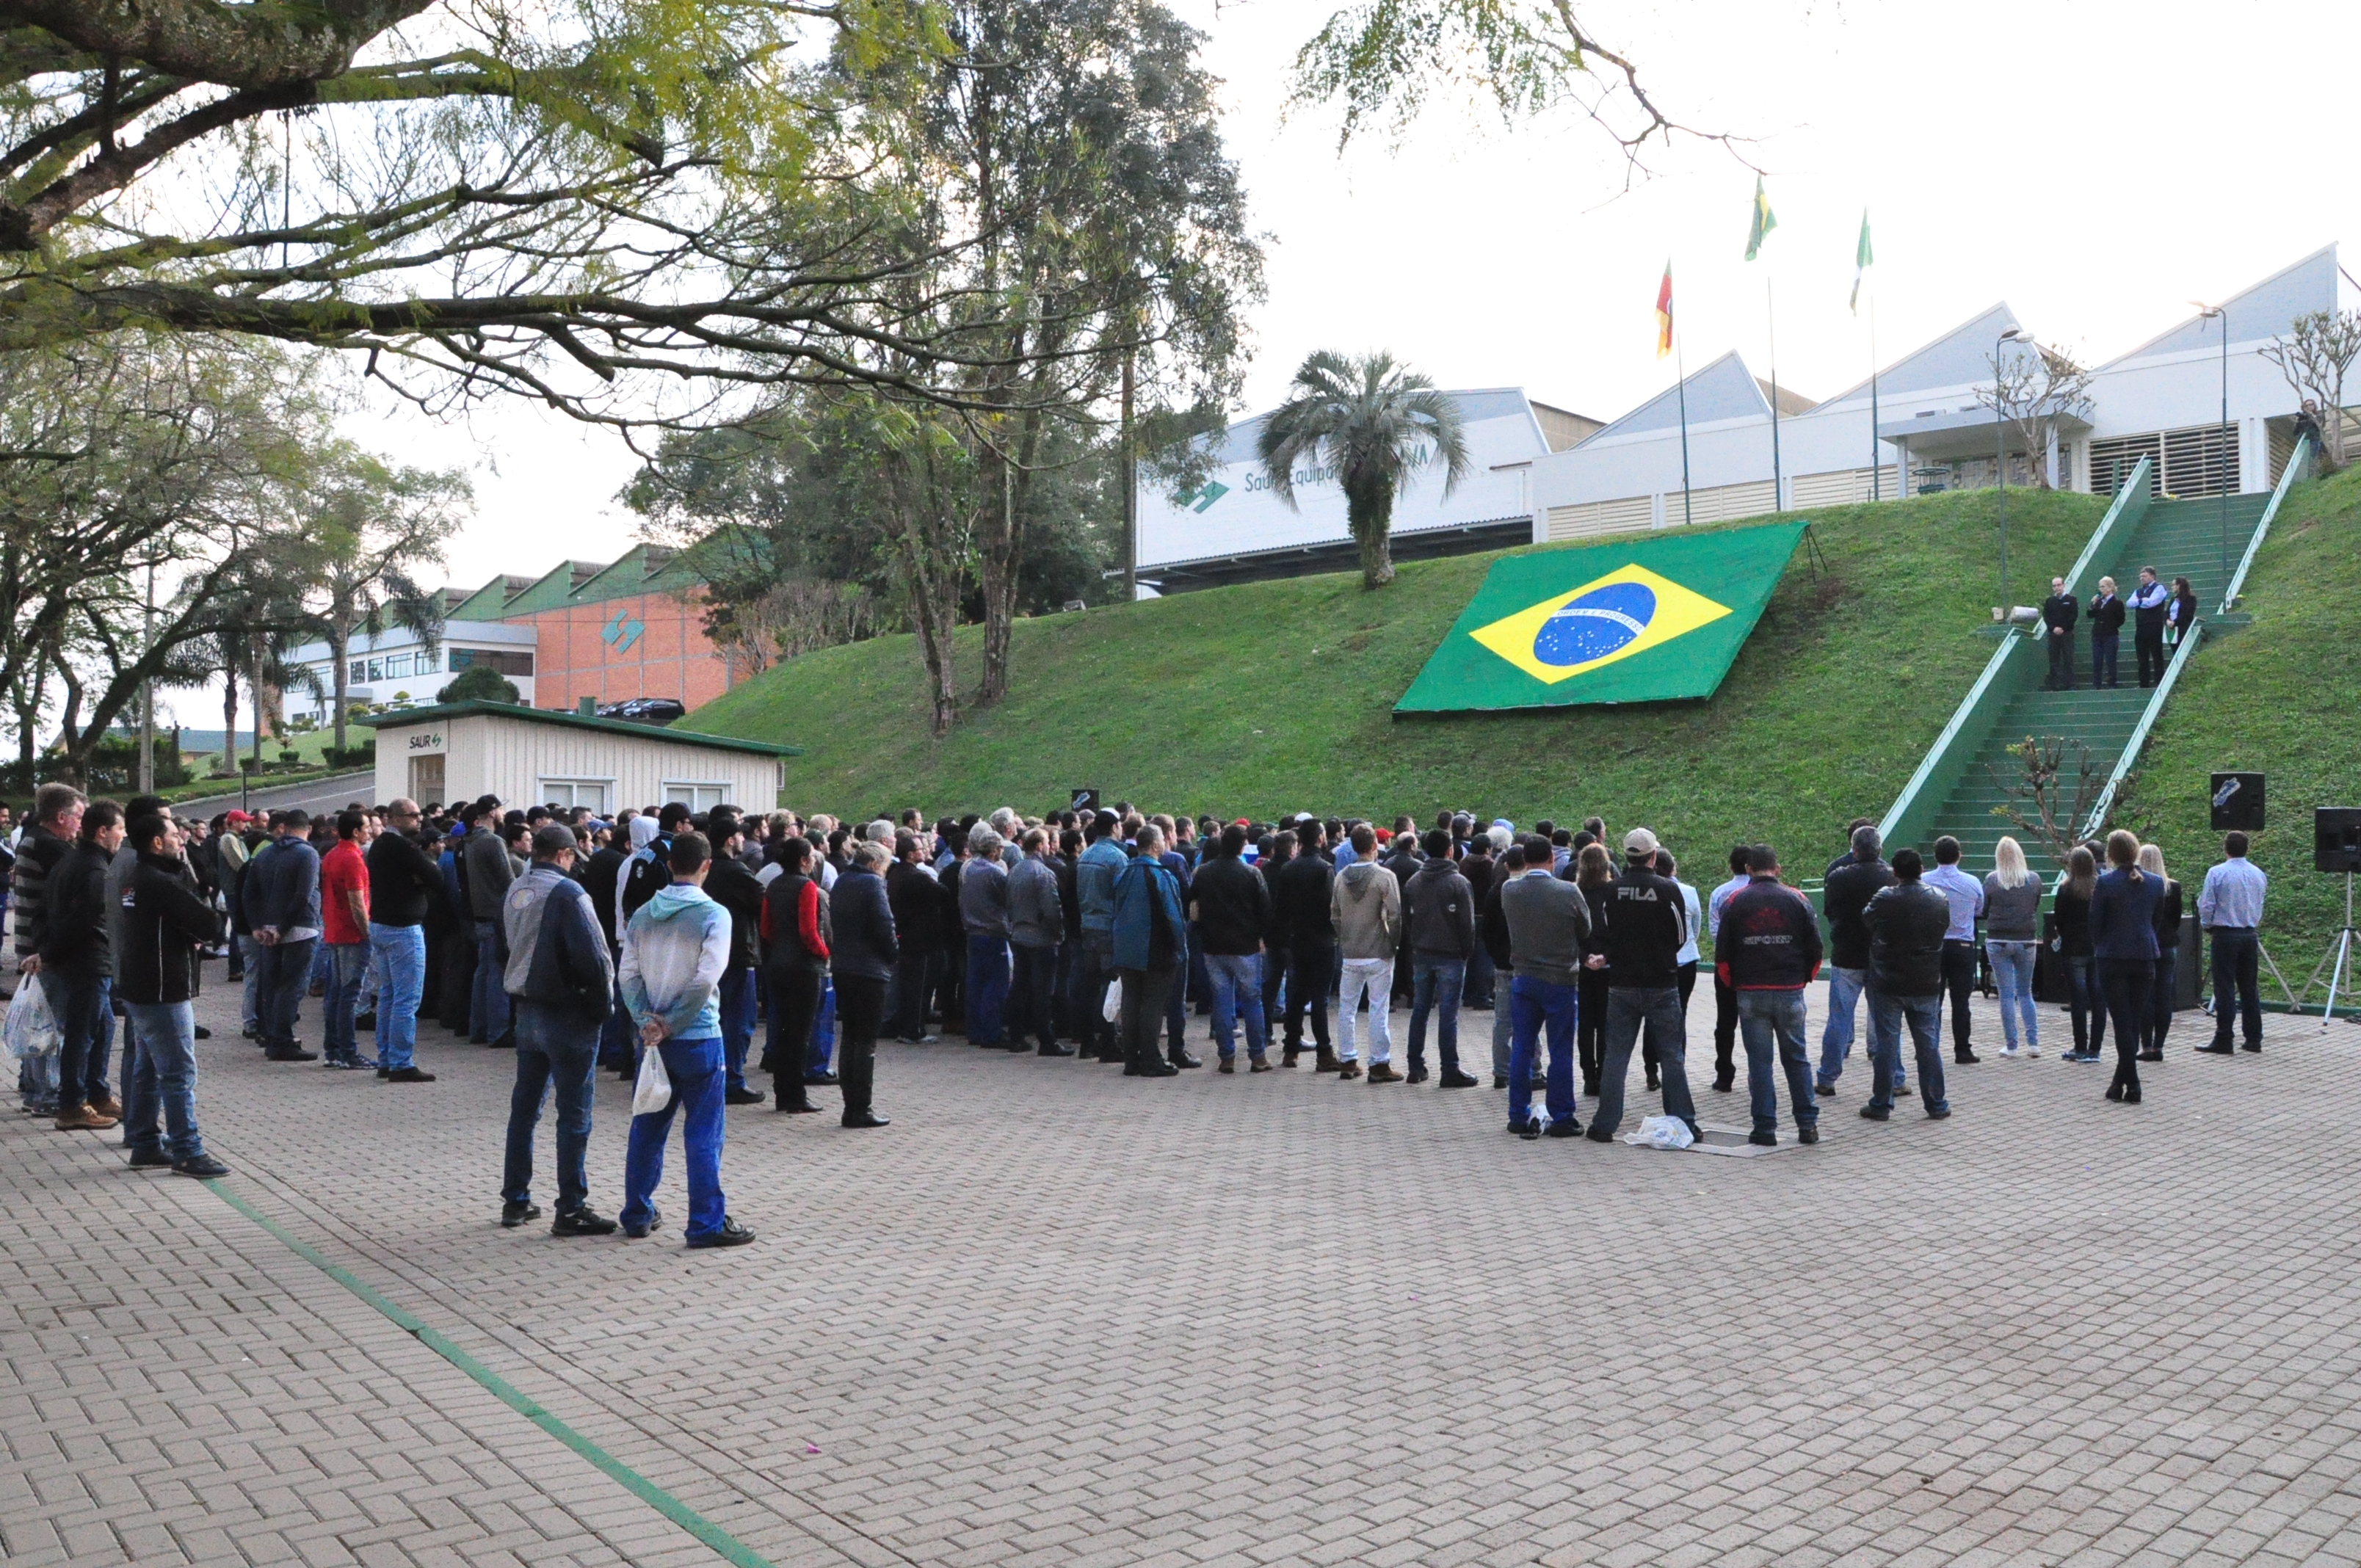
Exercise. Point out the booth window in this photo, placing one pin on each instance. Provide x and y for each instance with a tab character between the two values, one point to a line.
695	795
502	661
591	792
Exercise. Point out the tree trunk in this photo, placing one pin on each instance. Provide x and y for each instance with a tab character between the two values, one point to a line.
996	566
1371	518
229	718
340	641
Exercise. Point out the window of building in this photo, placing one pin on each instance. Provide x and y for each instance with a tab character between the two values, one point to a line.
397	666
504	661
357	672
591	792
697	796
376	670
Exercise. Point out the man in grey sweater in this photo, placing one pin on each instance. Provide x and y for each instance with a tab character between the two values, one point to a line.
1037	922
1548	922
1364	901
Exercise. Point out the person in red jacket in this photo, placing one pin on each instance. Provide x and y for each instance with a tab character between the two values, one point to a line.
1769	950
794	958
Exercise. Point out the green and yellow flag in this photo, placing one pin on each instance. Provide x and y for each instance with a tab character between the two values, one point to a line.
1761	222
1860	260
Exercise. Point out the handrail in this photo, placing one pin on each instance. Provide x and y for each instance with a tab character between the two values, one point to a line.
1959	716
2106	801
2302	461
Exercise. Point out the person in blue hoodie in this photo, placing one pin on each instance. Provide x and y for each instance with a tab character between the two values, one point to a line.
1150	939
675	948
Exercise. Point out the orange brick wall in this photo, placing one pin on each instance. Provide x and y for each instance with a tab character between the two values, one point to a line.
671	658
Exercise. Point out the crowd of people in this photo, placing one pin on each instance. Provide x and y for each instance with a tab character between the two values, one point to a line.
659	943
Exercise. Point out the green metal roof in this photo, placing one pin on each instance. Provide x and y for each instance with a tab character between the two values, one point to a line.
646	569
555	589
484	603
480	708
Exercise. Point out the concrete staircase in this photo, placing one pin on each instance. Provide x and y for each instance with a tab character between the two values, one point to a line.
2179	538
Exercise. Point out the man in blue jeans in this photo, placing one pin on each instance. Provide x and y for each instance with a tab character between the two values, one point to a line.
405	884
1851	883
984	916
1906	924
1438	916
1647	925
1230	904
1548	922
560	978
674	949
165	921
281	892
1766	951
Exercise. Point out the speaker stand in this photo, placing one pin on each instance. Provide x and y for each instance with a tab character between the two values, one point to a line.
2338	961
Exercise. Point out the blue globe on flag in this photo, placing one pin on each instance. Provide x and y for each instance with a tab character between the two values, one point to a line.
1595	625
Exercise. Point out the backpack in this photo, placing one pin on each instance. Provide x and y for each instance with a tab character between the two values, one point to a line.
649	876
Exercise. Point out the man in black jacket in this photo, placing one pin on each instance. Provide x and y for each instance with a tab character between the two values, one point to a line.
862	960
1231	906
602	878
1300	895
1439	930
1768	952
737	890
914	897
2059	612
1906	924
1647	924
405	891
49	838
1851	883
165	920
77	968
562	982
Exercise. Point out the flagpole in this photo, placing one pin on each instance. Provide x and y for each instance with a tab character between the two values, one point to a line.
1680	368
1778	489
1876	462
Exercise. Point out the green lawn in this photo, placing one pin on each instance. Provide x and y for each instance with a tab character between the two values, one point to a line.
1276	697
2283	697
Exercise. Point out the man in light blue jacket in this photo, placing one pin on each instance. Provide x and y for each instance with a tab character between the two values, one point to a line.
674	949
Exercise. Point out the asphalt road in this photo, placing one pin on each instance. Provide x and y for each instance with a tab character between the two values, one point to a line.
331	794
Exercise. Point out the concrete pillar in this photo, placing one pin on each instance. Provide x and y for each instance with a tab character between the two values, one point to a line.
2050	457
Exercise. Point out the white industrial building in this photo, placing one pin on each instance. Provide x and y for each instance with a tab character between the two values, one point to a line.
397	666
1928	431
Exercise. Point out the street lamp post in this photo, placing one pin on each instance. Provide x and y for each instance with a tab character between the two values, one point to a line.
2221	313
2000	465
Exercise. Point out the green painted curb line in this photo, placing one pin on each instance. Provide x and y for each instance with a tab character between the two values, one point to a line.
730	1548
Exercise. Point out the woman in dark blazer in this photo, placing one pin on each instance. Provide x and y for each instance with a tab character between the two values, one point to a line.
2122	943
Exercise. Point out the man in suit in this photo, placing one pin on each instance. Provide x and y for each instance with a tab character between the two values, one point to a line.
2106	635
2149	600
2059	612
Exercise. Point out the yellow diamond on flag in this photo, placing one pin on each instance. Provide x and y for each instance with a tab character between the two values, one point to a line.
1628	611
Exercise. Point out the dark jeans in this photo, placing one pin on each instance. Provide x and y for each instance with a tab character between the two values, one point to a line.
1176	1006
279	996
2061	661
987	987
914	981
695	1067
1959	983
1725	1030
1093	973
1536	1005
794	1006
1590	1028
1032	995
737	1022
1435	988
2148	652
1924	1017
1274	977
348	962
1658	1010
2089	1009
1145	992
1773	1023
82	1015
2161	1002
860	1008
488	1004
2235	952
554	1046
1311	969
2102	660
159	1078
2126	983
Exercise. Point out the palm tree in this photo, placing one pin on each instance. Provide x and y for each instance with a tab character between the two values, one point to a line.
1371	424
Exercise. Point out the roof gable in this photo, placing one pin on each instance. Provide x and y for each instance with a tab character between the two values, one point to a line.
2263	310
1724	389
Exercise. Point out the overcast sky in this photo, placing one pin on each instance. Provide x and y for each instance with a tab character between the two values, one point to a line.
2097	166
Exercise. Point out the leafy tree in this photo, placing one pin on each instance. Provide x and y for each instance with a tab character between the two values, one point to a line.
1373	425
481	683
2034	385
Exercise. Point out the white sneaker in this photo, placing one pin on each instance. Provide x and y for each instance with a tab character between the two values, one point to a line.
2033	1050
2010	1051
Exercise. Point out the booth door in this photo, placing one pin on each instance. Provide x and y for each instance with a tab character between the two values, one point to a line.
426	778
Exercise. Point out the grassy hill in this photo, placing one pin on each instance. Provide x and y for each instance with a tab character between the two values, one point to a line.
2282	695
1276	697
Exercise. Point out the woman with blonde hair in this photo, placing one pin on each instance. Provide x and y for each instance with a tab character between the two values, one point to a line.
2167	948
2012	934
2122	944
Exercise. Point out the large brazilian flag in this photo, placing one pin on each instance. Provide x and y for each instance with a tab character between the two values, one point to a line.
1641	620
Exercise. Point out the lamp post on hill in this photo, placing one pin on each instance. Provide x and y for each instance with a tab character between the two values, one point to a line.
2221	312
2000	463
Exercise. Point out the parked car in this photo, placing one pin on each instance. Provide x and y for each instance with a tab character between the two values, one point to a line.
646	710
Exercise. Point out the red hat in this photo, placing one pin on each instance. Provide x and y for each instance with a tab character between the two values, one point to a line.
236	817
1383	834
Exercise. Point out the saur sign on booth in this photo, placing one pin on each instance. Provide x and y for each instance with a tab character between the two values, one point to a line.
1638	620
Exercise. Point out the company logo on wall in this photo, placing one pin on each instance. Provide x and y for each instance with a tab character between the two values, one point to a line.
621	631
1198	501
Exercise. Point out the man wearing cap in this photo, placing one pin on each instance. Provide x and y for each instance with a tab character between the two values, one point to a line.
281	892
1647	923
561	984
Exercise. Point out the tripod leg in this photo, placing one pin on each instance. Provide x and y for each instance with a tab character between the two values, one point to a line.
2344	951
2285	989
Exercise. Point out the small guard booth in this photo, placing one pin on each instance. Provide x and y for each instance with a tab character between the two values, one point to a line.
527	756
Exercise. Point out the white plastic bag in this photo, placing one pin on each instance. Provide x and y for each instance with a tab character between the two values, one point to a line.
1112	1008
1662	1133
31	1029
653	1090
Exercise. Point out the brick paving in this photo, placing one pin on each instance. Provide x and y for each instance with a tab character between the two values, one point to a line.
1055	1316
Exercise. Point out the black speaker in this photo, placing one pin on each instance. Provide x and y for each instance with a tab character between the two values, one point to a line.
1086	801
2238	803
2336	839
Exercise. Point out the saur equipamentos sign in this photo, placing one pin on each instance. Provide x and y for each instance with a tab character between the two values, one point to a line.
1643	619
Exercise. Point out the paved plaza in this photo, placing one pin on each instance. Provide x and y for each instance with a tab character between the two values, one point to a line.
1054	1316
